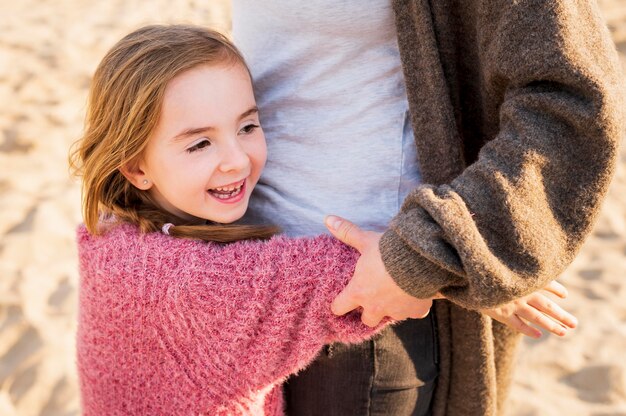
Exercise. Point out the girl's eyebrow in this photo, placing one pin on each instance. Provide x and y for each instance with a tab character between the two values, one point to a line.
251	111
196	130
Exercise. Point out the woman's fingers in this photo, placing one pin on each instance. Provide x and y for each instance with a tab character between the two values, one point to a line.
548	307
556	288
539	319
345	301
508	317
346	231
536	310
520	326
371	318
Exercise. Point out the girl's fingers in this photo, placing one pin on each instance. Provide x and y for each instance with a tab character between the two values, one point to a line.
551	309
556	288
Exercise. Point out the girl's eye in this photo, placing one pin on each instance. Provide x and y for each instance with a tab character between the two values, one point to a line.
199	146
248	129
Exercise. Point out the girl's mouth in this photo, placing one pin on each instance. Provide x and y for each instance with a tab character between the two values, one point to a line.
229	193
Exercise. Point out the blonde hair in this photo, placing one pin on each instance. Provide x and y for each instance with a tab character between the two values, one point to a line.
124	106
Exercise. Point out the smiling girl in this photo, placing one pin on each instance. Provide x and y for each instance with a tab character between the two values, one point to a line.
173	147
207	150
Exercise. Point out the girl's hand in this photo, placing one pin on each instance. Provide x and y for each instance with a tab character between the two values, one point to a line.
536	309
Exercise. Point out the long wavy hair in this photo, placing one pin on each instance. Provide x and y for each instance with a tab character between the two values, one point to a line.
124	106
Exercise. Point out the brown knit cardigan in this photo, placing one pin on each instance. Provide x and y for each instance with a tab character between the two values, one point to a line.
517	111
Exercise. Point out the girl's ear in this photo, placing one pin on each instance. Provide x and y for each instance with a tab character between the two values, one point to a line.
136	176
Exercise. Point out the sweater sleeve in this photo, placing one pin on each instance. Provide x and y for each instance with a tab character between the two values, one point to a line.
188	325
516	217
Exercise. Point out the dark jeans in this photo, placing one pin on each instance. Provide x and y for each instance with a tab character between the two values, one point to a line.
393	374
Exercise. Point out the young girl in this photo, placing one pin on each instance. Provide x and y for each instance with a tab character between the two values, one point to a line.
173	147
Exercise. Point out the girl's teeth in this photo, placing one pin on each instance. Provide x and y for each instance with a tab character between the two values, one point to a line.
227	192
229	189
226	196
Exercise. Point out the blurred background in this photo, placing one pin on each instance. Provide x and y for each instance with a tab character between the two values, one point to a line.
48	51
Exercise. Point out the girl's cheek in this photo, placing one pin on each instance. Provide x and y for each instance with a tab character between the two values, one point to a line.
257	152
262	152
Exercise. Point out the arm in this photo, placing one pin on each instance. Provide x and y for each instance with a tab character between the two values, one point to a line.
366	290
515	218
216	321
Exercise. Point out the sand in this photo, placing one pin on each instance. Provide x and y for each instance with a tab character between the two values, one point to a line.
48	51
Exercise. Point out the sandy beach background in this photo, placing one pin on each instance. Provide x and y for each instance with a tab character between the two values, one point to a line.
48	51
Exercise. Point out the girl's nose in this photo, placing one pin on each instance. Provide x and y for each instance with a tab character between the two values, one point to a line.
234	158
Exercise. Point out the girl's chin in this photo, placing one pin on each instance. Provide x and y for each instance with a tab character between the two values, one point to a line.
228	218
231	215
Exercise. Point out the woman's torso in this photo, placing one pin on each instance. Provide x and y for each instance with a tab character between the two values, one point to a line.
330	89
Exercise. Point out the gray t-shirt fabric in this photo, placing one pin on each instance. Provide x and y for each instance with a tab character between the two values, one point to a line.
332	100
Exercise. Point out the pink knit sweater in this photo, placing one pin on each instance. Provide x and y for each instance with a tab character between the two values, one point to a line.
170	326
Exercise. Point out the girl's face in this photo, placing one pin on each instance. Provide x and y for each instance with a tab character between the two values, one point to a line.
208	150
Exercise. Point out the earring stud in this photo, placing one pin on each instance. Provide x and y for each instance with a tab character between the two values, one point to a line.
145	181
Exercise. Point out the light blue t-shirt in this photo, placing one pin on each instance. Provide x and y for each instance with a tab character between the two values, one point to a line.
332	100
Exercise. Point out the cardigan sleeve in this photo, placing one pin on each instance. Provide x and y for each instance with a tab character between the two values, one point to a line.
516	217
181	324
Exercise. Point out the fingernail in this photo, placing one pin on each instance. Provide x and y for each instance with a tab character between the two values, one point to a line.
333	221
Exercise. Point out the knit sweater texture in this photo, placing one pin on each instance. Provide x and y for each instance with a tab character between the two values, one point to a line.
517	108
171	326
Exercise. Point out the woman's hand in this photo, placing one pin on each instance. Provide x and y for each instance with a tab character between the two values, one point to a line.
371	287
536	309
